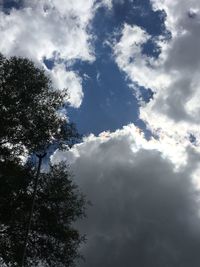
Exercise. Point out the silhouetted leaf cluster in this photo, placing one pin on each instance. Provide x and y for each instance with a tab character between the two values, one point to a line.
29	108
52	240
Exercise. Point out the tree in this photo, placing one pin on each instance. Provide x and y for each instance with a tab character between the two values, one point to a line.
29	109
52	240
30	122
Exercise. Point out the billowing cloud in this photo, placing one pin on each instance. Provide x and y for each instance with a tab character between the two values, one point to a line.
144	212
42	29
173	76
55	30
68	80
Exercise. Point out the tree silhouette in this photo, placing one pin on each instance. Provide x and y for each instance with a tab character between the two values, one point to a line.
36	215
29	109
52	239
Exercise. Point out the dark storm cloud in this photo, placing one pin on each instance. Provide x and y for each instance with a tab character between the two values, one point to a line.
143	213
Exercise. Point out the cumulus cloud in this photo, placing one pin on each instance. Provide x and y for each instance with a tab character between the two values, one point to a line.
53	30
144	211
68	80
42	29
129	57
173	76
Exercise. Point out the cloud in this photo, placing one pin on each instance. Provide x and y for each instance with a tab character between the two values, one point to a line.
107	3
55	30
144	212
145	194
129	57
68	80
173	76
41	29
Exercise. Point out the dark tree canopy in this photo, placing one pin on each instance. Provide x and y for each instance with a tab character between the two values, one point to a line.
52	240
29	108
29	121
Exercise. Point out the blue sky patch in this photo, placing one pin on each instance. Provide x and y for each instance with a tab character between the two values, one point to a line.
109	102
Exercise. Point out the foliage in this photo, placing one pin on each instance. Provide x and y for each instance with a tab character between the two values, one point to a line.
52	241
30	123
29	108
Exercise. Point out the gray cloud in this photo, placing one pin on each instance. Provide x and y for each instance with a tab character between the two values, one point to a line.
143	213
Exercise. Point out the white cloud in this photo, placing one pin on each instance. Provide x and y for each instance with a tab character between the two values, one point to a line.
54	29
143	209
107	3
173	76
129	57
166	146
41	29
68	80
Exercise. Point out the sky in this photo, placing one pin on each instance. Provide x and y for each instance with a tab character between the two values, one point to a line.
131	68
